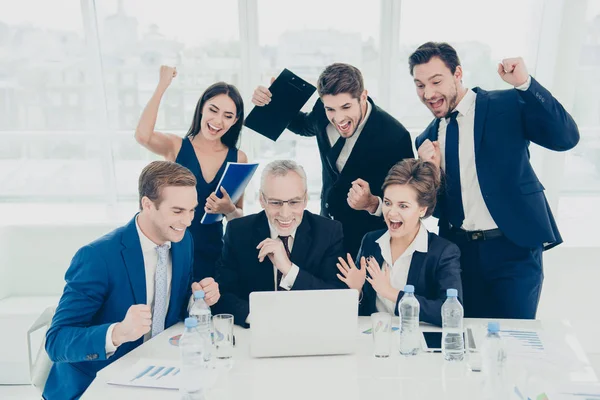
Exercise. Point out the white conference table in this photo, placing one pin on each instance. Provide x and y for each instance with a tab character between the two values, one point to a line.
361	375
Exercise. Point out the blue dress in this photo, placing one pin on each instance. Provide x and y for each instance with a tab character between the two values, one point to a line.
208	239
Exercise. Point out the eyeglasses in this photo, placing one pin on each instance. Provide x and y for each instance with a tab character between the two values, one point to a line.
295	204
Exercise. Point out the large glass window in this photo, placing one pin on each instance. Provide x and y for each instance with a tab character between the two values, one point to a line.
580	194
50	150
200	38
481	37
340	31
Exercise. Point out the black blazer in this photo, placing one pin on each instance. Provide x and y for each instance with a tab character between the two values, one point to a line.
382	143
506	121
430	273
316	247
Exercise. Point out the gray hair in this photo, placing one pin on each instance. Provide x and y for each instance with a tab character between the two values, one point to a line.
281	168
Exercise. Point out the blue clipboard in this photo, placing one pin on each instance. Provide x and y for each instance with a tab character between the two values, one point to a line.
235	179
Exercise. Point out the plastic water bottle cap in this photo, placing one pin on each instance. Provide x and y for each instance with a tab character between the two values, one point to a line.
493	327
409	289
191	322
199	294
451	292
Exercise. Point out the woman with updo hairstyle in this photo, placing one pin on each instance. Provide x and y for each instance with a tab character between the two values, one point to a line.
405	252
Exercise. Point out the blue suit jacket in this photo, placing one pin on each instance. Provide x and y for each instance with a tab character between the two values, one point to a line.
105	278
430	273
506	121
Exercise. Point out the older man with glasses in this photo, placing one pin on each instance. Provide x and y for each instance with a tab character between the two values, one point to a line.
284	247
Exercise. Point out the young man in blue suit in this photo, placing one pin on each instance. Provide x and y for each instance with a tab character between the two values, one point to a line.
493	206
127	286
285	247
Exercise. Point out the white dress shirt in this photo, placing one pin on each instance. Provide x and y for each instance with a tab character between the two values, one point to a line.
400	268
477	215
334	135
150	263
288	280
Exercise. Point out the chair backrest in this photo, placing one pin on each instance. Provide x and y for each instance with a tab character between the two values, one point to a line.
40	367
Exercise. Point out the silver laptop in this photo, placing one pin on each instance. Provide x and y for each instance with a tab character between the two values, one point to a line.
303	322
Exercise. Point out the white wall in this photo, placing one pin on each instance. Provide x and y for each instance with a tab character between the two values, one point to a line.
36	257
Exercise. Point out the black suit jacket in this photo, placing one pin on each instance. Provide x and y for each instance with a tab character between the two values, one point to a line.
506	121
317	245
430	273
382	143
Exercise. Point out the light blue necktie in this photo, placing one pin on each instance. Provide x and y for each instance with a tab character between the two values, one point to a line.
160	291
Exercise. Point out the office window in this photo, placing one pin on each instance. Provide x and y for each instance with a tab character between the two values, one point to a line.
201	39
580	194
319	34
481	37
50	151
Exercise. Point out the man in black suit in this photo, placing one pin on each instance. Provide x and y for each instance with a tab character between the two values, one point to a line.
283	247
358	143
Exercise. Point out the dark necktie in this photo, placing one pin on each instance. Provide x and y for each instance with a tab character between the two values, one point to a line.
334	153
285	240
454	209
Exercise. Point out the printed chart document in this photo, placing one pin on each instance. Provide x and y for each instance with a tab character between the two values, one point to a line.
150	373
235	179
289	94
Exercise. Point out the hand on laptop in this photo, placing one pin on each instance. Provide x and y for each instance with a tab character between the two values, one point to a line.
273	248
352	276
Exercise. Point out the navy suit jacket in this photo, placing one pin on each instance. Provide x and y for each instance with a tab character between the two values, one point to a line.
430	273
382	143
105	278
317	245
506	121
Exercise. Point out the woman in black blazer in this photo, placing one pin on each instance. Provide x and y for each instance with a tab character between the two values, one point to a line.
405	253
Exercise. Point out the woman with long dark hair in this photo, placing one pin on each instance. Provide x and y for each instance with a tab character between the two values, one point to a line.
209	145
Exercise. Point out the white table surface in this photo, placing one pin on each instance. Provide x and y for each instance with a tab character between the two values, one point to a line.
362	376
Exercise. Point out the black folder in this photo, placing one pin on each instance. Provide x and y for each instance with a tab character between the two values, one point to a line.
289	94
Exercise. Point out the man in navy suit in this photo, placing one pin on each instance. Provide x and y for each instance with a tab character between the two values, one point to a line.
127	286
493	205
284	247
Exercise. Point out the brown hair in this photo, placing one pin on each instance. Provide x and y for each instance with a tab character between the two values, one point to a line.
159	174
422	176
427	51
341	78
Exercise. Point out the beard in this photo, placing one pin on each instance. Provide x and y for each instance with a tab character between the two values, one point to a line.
452	101
358	122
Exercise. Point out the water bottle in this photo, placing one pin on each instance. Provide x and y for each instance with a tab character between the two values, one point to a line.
493	360
193	367
408	310
453	344
201	312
